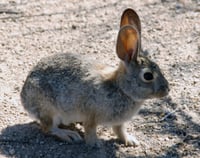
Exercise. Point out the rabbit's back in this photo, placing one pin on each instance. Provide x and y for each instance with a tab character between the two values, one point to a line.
55	82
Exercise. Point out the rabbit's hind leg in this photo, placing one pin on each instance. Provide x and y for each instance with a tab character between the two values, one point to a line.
50	125
66	135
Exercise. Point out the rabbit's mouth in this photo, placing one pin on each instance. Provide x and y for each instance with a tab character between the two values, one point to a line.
162	93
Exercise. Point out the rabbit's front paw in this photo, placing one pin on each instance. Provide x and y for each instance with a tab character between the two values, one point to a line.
130	140
90	135
92	140
123	136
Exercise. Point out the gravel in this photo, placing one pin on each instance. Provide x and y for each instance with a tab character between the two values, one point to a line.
30	30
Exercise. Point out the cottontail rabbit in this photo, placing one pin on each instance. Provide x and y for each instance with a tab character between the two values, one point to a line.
67	88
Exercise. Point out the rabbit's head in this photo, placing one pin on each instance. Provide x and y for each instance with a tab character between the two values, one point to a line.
139	77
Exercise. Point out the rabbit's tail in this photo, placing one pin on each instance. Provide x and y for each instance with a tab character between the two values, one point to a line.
30	101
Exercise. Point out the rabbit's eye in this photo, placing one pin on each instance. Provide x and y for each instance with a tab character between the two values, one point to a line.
146	75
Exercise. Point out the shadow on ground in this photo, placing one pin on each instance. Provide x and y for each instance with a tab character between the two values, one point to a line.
176	124
27	140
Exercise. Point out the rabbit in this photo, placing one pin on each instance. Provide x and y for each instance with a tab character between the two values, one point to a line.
70	88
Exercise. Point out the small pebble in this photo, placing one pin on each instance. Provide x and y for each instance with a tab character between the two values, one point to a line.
11	151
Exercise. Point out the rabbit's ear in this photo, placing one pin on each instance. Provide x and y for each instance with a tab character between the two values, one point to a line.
127	43
130	17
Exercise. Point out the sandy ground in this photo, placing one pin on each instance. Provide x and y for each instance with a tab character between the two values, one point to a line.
30	30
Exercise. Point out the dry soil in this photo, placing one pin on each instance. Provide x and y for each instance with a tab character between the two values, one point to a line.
32	29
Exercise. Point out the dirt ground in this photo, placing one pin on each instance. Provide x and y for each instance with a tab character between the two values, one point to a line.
30	30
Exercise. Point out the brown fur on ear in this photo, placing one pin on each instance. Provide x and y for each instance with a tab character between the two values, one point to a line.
127	43
130	17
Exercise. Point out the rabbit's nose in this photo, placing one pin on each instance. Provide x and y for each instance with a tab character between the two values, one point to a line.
165	88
